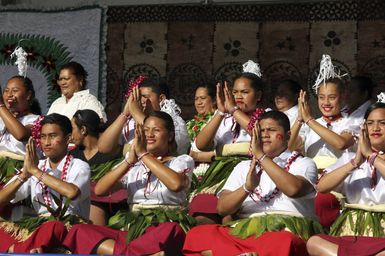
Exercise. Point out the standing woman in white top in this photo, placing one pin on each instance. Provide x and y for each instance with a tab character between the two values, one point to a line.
72	82
286	98
155	180
360	177
18	110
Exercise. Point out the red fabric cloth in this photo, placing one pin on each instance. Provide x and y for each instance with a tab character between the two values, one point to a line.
49	235
203	203
327	208
357	246
168	237
218	239
116	197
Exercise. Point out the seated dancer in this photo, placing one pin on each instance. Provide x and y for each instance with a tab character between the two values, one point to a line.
86	126
72	82
18	110
49	183
228	133
360	177
278	184
156	183
326	138
143	96
286	98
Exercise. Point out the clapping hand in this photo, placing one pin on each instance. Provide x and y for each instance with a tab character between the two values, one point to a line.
304	107
139	141
220	99
256	143
229	99
31	159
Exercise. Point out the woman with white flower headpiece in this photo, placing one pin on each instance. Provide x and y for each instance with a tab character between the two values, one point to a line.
18	110
228	132
325	139
360	177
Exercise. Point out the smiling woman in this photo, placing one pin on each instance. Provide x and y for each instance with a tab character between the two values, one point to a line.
72	82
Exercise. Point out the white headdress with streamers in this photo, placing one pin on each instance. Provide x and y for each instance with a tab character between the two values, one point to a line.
21	60
252	67
326	71
381	97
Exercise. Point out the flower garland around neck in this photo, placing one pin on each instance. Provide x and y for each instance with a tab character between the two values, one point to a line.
195	125
268	197
63	177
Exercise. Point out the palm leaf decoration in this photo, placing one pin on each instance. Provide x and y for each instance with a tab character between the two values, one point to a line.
44	53
7	168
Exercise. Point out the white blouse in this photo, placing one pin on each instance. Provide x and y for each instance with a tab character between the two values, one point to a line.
78	174
226	133
302	166
316	146
145	188
181	136
10	143
80	100
357	186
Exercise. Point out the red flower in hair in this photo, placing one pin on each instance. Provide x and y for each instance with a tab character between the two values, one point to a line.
133	84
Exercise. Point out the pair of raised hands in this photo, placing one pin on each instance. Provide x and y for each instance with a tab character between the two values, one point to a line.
225	99
304	110
30	160
138	147
133	103
364	148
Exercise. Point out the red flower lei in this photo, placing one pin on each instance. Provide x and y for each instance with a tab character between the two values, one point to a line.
266	198
63	177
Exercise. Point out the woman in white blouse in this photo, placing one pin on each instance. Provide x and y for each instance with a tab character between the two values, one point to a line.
152	177
72	82
360	177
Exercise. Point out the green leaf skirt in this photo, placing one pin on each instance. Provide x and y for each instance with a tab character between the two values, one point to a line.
301	226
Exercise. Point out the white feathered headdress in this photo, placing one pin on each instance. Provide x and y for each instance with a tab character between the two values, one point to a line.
252	67
21	60
326	71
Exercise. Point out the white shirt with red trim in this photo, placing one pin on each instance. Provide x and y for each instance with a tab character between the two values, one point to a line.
78	174
142	190
302	166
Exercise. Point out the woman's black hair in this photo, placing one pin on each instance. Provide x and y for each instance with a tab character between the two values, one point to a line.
365	84
256	81
168	123
373	107
34	105
293	87
159	86
90	120
78	70
210	87
62	121
278	116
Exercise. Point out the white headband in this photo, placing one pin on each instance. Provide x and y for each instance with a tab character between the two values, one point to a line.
326	71
252	67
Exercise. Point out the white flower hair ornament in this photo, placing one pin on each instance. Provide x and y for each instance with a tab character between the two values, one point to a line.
326	71
21	60
252	67
381	97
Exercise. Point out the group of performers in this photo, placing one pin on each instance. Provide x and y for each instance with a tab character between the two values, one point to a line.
237	179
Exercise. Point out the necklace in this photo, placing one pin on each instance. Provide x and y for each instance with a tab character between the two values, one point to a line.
268	197
195	125
63	177
330	119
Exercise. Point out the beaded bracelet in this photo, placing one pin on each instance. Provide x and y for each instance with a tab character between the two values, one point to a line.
246	190
126	116
143	155
259	160
307	122
20	179
220	113
300	121
42	176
